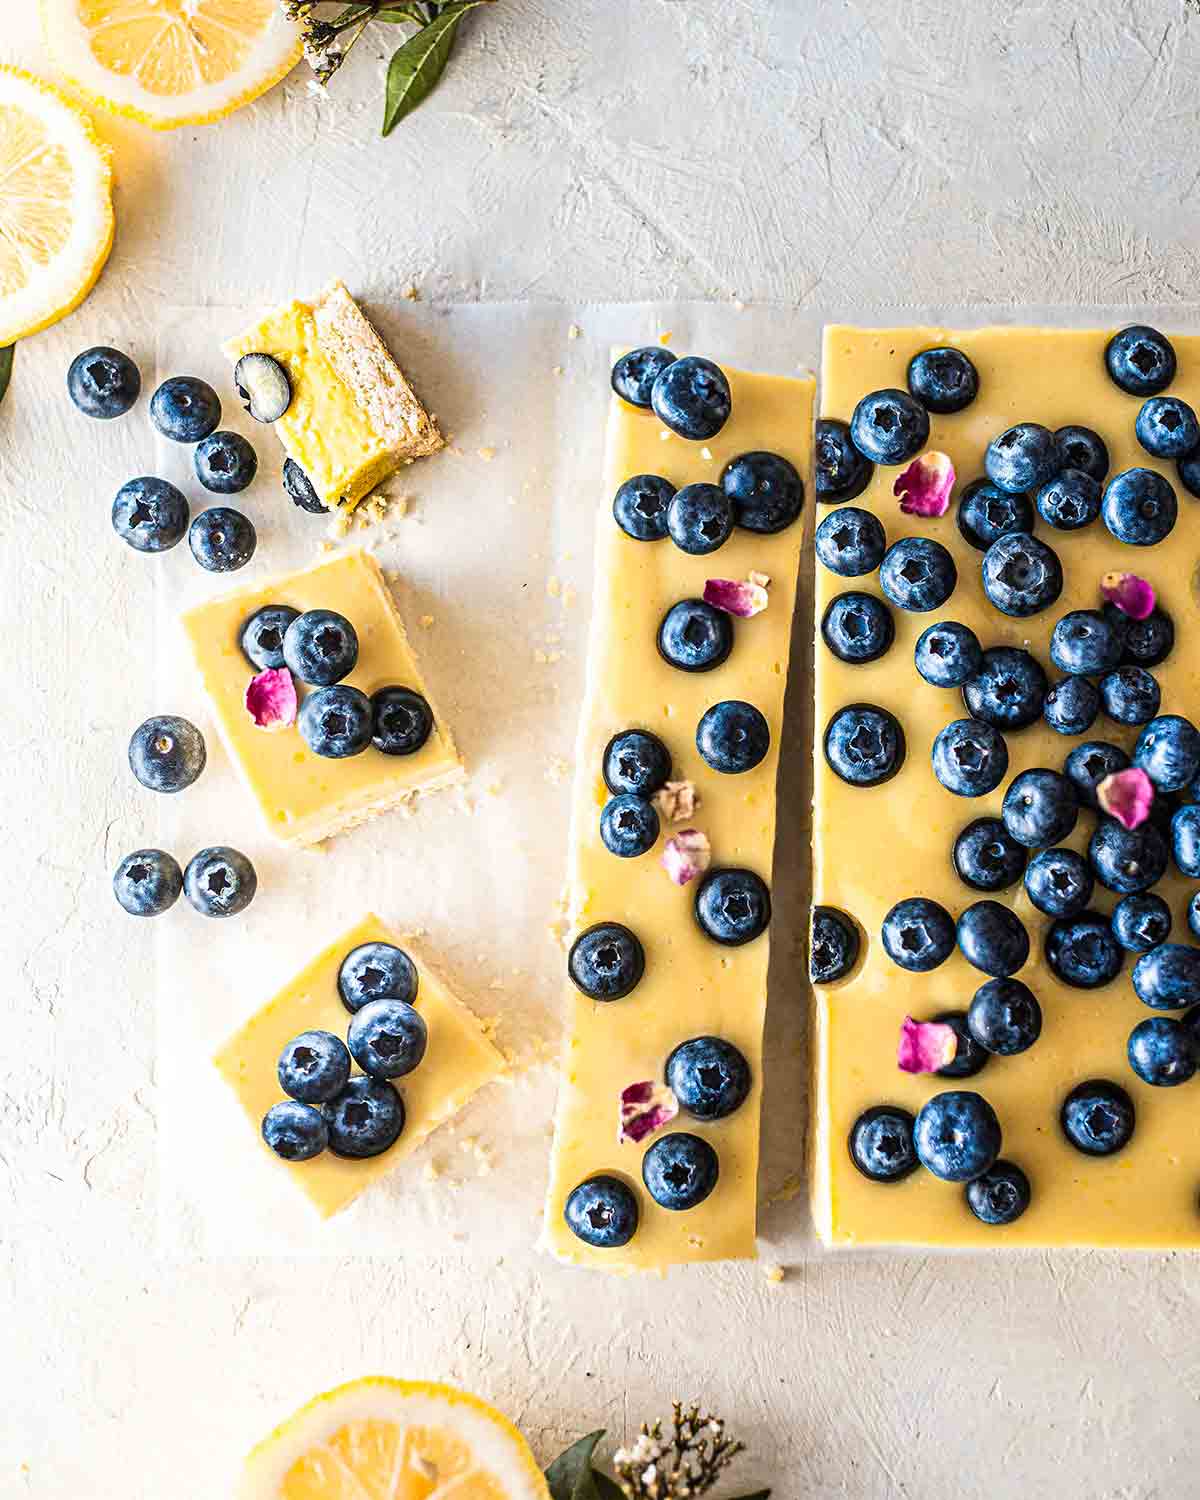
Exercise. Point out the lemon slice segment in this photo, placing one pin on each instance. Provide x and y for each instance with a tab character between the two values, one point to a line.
382	1439
56	218
170	62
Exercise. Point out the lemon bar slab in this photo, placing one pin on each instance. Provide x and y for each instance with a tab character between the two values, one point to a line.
458	1061
876	846
692	986
303	797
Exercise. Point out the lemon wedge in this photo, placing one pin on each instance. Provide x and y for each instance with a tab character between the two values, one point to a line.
381	1439
56	218
170	62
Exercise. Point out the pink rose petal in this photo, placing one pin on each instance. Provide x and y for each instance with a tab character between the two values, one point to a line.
1132	595
1126	796
644	1108
926	1046
271	699
686	855
741	599
926	484
676	801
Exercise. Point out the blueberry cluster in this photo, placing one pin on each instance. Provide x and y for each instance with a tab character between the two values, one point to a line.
709	1078
357	1115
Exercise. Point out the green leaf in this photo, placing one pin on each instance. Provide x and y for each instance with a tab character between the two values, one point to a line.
571	1476
417	65
6	365
606	1488
400	15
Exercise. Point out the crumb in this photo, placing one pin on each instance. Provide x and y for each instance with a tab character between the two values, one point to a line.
411	294
327	546
574	331
557	770
558	369
425	621
706	455
554	656
487	454
774	1274
496	984
665	337
695	1242
339	525
554	586
739	305
400	505
494	788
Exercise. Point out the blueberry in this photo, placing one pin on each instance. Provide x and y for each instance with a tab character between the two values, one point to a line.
1168	750
1000	1196
957	1136
1070	500
1167	428
313	1067
985	514
602	1211
1059	882
691	397
401	721
262	633
733	906
167	753
185	409
1083	449
695	636
387	1038
709	1077
832	945
1008	691
1097	1117
296	1132
219	881
321	647
634	374
680	1170
1082	951
376	971
1130	695
733	737
1087	766
1141	921
1021	576
299	488
629	826
917	574
1149	641
263	384
1040	808
943	380
1193	917
918	934
987	857
365	1118
948	655
993	939
970	1058
1168	977
850	542
147	882
336	722
606	961
1085	644
864	744
842	473
1004	1017
1139	507
1188	470
969	758
1022	458
857	627
1071	705
636	761
640	507
222	539
766	491
1127	860
103	382
881	1143
1162	1052
150	514
1140	360
700	518
889	427
225	463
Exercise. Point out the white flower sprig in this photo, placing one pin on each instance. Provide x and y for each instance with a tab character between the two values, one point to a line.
682	1466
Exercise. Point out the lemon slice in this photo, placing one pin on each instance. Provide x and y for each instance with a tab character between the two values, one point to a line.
56	218
171	62
381	1439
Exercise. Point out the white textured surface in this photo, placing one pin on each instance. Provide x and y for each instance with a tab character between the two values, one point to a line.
827	154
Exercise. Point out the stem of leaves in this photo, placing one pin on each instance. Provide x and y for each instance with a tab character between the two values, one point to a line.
419	63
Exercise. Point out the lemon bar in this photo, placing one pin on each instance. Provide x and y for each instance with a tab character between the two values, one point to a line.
354	418
305	798
692	986
877	845
458	1061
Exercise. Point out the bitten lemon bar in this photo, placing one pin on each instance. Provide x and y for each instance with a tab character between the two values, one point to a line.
458	1061
353	418
875	846
304	797
693	986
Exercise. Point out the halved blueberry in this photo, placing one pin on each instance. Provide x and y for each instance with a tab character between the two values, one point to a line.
695	636
832	946
263	384
299	488
864	744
